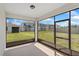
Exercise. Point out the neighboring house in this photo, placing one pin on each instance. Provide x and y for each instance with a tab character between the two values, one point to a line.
12	28
45	27
74	29
19	28
29	26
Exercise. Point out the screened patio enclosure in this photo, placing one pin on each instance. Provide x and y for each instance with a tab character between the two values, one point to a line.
61	32
38	29
19	32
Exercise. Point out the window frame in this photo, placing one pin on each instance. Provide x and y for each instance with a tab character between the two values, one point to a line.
28	41
70	43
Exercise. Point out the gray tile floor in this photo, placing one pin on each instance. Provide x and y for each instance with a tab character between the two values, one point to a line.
28	50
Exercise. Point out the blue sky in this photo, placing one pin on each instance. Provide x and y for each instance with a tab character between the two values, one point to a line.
74	18
15	21
47	21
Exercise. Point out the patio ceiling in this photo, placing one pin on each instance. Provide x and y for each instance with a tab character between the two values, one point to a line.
41	10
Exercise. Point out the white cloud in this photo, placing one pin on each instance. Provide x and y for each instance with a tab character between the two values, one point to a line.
63	23
75	17
66	23
49	19
73	22
74	13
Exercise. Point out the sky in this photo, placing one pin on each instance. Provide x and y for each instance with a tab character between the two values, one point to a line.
15	21
74	19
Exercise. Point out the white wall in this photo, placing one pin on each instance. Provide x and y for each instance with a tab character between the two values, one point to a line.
2	31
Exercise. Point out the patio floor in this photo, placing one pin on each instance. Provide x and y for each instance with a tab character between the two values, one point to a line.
24	50
30	49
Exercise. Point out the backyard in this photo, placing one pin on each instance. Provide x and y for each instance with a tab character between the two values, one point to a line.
49	36
11	37
45	35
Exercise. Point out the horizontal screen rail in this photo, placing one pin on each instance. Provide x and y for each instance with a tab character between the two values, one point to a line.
62	38
61	20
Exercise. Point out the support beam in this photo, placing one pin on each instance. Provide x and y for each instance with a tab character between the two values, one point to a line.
36	29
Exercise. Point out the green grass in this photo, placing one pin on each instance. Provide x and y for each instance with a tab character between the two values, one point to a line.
49	36
45	35
11	37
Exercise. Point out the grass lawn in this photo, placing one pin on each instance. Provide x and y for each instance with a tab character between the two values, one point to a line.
11	37
45	35
49	36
